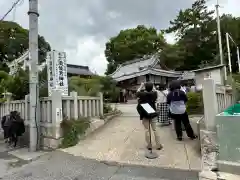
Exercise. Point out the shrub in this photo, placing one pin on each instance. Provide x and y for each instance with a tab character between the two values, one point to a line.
195	103
72	129
107	108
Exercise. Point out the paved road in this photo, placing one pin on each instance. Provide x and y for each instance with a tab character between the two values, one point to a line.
62	166
122	141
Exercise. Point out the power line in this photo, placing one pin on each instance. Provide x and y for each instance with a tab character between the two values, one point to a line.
10	10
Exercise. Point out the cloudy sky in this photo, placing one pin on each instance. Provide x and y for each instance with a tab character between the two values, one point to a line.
81	27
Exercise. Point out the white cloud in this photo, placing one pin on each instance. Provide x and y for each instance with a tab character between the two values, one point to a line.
89	53
81	28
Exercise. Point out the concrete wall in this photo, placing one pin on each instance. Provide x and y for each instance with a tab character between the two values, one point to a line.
214	74
229	144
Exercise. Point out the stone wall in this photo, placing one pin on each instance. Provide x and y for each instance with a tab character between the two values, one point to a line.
47	137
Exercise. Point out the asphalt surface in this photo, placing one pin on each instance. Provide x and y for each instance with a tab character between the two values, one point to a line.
62	166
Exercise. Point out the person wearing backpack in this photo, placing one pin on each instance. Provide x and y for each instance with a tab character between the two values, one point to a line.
177	107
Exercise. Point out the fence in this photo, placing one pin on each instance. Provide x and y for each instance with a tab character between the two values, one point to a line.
216	98
73	107
53	109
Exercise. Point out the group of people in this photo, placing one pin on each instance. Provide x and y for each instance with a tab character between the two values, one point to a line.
169	104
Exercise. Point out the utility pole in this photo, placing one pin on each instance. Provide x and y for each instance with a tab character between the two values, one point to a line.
229	53
33	74
224	73
238	59
229	37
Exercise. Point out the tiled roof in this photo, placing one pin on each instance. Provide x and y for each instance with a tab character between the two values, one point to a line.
135	66
78	70
158	72
209	68
187	75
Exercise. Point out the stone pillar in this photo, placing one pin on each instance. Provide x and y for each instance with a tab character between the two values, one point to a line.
210	103
101	103
75	104
8	97
52	134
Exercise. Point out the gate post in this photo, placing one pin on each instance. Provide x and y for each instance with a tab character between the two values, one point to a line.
52	136
210	103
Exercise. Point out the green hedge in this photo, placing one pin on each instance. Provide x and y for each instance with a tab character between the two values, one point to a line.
195	103
107	108
72	129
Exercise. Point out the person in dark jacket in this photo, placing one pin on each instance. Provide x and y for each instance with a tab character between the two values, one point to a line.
6	124
177	106
13	126
148	96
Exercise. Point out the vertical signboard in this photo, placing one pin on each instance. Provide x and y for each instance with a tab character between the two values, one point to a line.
50	71
61	77
57	72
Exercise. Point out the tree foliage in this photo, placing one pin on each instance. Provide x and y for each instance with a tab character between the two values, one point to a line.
196	41
91	87
14	42
195	29
132	43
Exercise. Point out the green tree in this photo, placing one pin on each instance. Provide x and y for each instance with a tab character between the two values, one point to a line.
191	18
172	56
195	29
91	87
43	83
231	25
4	81
14	42
109	88
84	87
19	85
132	43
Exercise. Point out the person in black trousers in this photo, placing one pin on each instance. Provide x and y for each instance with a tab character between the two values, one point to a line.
149	95
177	106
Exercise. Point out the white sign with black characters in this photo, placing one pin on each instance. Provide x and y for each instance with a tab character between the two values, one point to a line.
50	70
62	81
58	65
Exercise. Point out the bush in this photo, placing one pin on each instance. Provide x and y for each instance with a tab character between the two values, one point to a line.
72	129
195	103
107	108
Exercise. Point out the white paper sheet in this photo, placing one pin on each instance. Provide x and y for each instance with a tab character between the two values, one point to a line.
148	108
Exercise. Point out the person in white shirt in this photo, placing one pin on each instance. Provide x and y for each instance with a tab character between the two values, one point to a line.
162	107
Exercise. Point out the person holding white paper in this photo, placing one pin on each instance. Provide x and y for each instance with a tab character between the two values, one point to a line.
148	98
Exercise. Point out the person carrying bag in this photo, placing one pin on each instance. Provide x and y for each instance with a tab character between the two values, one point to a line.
149	96
177	106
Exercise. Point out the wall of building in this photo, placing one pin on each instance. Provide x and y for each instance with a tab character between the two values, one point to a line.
214	74
141	79
152	78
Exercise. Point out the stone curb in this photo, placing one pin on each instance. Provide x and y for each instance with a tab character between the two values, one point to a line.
105	122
